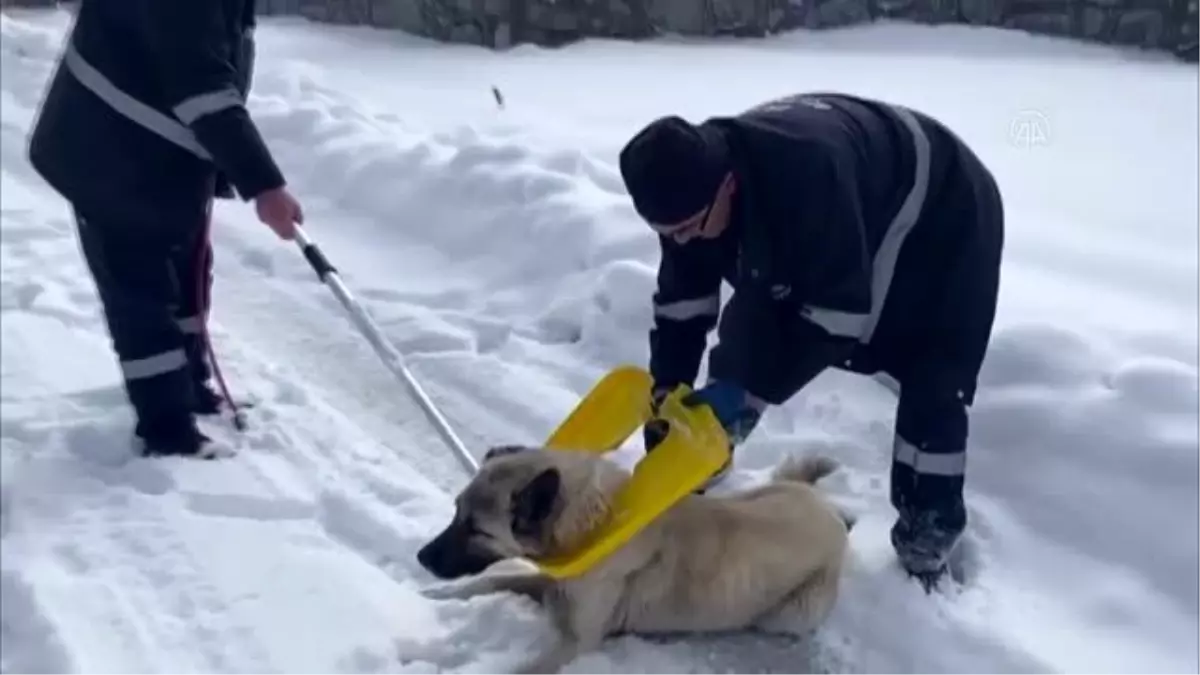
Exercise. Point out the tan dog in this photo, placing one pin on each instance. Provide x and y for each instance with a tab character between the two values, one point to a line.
769	558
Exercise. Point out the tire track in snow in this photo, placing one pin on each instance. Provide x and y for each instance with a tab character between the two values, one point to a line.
112	558
157	549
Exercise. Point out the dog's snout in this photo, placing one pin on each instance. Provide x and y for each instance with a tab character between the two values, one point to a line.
453	554
427	557
432	557
441	556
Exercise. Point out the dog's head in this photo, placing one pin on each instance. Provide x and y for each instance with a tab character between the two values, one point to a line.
508	510
524	502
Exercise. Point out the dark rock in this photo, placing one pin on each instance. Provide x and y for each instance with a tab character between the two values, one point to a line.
685	17
1142	28
1042	23
402	14
735	17
838	13
465	33
1095	22
920	11
981	12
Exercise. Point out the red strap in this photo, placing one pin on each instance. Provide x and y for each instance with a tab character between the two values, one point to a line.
203	258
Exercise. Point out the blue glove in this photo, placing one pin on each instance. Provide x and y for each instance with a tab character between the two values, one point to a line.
732	407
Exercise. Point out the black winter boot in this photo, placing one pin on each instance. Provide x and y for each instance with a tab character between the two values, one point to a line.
174	437
924	541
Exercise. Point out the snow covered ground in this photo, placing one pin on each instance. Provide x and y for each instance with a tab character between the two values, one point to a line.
497	251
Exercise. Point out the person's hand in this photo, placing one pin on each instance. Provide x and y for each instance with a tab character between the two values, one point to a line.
280	211
731	406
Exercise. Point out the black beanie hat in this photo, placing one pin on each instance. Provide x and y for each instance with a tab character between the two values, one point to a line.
672	169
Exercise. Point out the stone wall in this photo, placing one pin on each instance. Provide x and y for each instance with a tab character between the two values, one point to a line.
1154	24
1169	25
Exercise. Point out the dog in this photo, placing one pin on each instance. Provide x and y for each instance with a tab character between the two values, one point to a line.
769	558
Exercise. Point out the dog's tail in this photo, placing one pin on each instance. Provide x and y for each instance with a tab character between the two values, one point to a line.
810	469
807	469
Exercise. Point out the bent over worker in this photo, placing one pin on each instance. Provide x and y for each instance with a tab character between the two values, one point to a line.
857	235
143	124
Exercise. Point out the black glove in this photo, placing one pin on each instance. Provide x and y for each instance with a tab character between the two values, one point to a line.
655	431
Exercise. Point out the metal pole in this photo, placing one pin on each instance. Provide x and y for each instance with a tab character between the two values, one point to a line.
329	276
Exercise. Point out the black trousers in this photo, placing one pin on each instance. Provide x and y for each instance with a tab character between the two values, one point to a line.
938	367
942	302
153	288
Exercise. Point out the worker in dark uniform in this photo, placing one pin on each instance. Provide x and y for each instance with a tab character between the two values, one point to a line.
857	235
143	125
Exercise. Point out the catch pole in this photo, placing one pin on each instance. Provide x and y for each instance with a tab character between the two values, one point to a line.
391	358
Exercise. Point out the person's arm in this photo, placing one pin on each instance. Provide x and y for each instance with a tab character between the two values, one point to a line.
194	57
774	354
687	304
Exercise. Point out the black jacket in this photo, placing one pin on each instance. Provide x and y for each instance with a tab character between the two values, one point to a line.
145	114
828	187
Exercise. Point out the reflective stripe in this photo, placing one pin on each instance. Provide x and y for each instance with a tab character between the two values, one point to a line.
884	265
950	464
689	309
890	383
152	366
129	107
190	325
208	103
842	324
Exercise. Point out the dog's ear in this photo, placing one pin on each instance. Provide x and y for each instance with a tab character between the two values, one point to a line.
502	450
533	504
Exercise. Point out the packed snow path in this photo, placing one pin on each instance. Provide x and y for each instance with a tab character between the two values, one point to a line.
496	249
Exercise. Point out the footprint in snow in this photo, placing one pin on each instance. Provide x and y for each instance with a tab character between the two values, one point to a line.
1156	383
114	455
27	294
260	261
32	643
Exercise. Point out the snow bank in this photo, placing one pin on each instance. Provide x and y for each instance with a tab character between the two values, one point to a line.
495	247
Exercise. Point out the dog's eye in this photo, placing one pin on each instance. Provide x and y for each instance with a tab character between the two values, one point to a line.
521	527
